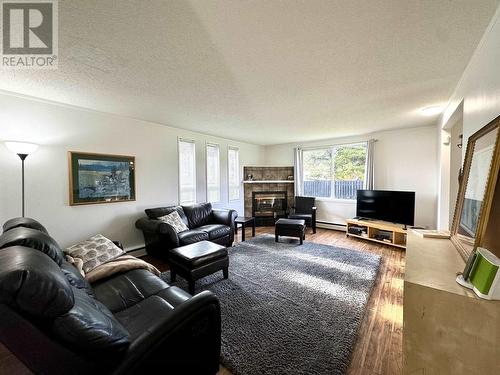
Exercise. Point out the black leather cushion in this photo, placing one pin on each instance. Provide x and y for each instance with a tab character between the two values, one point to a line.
291	224
304	204
198	214
32	283
225	217
174	296
126	289
35	239
142	319
215	230
198	254
160	306
300	216
155	213
25	222
75	278
90	326
191	236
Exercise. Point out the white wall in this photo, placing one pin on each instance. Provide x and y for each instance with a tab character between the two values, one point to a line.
479	89
455	165
59	129
443	204
405	159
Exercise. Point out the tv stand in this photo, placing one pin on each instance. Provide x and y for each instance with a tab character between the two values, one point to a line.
372	228
362	218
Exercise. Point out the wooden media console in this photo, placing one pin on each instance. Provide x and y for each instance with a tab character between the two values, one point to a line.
374	228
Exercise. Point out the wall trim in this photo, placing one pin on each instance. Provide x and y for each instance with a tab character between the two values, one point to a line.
330	225
118	116
137	252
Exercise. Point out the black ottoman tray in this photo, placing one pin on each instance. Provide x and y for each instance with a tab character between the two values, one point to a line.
198	260
291	228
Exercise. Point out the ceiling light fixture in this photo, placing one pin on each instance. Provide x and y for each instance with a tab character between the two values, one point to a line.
432	110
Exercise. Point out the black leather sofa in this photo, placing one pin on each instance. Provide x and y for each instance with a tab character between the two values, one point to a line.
55	322
204	223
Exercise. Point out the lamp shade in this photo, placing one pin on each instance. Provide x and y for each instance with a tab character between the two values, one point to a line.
21	147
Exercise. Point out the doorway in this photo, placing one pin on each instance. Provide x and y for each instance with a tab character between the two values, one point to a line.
456	152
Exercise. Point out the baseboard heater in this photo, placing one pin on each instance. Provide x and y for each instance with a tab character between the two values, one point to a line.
330	225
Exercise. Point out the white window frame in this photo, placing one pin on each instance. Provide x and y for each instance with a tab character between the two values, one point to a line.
229	149
330	198
219	186
179	141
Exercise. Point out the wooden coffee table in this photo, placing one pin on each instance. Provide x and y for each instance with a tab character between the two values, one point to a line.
244	221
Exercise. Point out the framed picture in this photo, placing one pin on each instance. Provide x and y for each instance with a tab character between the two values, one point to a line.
100	178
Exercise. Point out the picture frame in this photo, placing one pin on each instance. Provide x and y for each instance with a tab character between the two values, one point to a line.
477	190
100	178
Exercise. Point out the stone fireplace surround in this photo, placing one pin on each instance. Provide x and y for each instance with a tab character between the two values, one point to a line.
267	179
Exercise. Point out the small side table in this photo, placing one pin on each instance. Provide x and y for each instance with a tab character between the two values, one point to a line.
244	221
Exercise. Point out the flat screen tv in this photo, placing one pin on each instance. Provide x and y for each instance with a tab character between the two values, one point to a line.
392	206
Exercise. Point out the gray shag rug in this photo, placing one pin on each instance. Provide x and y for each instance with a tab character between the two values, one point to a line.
290	309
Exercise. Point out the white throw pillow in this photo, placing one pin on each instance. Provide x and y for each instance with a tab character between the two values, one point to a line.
174	220
94	252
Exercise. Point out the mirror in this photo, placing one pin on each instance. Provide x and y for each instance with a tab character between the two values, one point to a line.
474	195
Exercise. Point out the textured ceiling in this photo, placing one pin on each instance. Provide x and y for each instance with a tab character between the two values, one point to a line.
261	71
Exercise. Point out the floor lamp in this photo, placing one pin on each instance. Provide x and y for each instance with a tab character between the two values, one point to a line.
22	149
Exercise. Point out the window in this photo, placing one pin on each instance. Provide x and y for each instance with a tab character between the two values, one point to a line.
335	172
187	172
233	167
213	173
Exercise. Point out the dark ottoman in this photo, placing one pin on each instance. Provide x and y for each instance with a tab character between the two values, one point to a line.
291	228
198	260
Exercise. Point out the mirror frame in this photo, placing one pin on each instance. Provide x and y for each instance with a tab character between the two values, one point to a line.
463	243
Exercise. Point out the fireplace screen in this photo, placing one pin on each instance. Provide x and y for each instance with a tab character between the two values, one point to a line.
269	204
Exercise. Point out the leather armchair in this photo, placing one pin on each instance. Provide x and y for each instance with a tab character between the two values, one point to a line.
305	209
55	322
204	223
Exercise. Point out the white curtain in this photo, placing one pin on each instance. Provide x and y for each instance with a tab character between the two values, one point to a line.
369	168
298	171
187	171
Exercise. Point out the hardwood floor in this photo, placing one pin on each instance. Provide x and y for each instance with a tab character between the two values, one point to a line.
380	339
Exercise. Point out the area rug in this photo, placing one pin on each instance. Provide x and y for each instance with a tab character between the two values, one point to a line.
290	309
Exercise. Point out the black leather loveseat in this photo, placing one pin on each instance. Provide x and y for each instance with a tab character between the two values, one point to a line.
204	223
56	323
